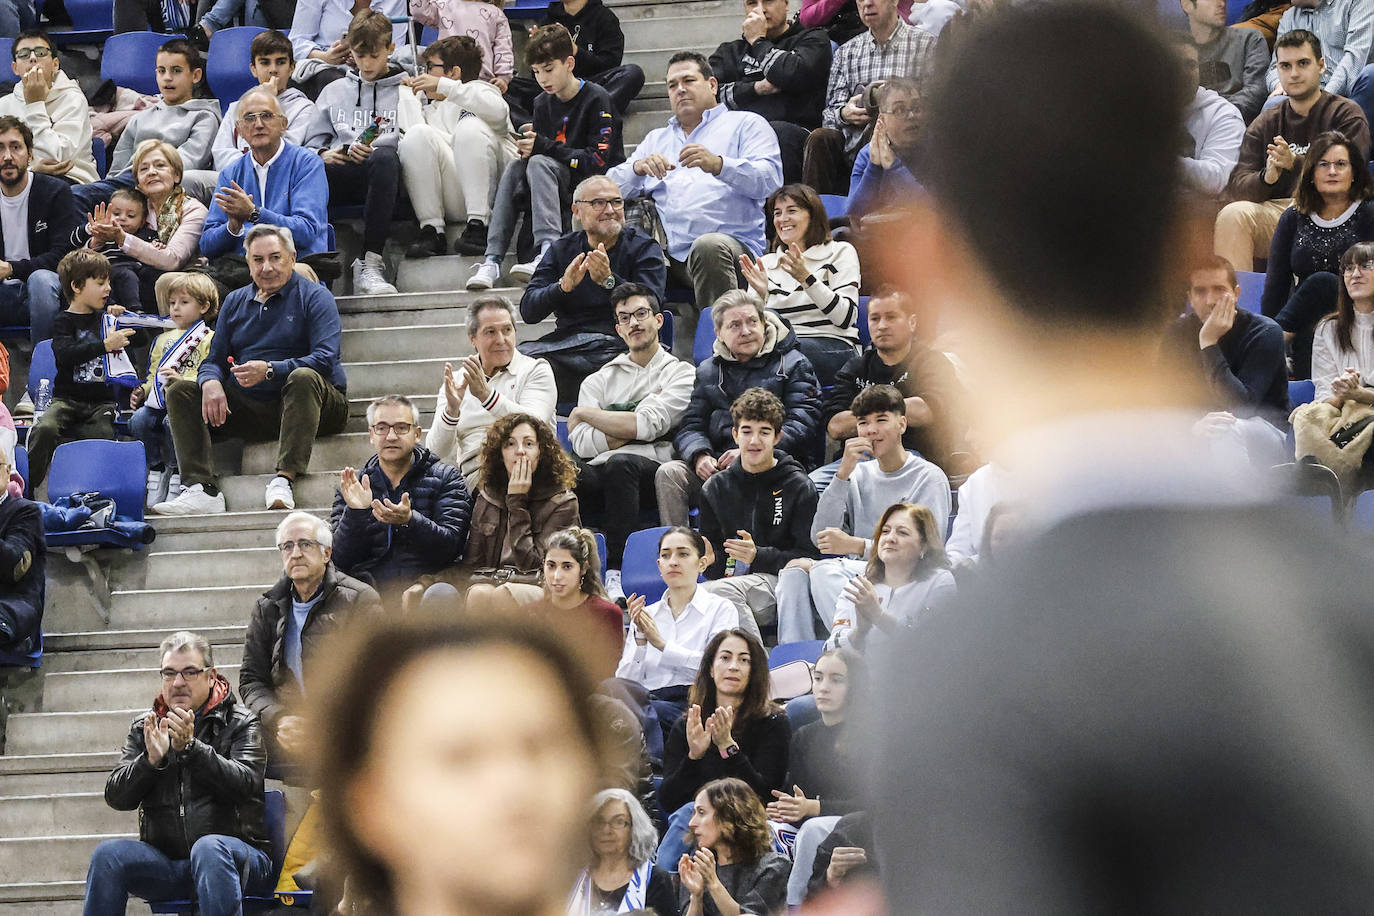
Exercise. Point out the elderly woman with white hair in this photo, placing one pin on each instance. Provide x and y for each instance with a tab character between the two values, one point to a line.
621	877
21	560
311	600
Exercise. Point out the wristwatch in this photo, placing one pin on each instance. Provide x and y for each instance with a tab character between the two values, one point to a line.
256	215
609	282
270	372
727	752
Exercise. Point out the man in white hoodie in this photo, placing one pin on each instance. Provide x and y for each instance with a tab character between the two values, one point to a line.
1215	126
462	147
54	108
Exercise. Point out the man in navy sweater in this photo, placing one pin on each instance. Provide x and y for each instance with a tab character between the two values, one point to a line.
573	282
274	368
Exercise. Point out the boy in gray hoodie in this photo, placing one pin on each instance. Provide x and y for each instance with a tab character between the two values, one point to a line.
188	124
368	109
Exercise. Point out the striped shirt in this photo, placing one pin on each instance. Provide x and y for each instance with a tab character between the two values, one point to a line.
909	51
829	306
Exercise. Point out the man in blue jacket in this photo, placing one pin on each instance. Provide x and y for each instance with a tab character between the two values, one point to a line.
297	197
274	368
404	514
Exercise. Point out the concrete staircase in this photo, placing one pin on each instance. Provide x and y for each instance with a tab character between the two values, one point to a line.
69	719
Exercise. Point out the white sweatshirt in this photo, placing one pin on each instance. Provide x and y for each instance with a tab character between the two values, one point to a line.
61	125
659	392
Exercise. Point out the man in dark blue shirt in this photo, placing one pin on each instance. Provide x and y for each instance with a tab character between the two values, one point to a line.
274	369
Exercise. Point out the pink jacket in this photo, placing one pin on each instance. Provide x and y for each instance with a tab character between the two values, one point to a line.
487	24
180	248
816	14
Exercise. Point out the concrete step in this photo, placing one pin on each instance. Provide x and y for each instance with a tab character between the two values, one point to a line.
371	380
315	490
450	297
344	450
225	530
72	906
137	638
49	783
166	610
63	815
56	773
145	658
357	407
93	691
33	860
444	273
66	733
420	341
702	33
196	568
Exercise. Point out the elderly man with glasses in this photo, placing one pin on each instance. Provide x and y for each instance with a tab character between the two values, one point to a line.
193	767
574	281
310	601
404	514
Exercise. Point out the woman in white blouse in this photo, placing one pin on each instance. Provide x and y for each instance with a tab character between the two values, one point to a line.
810	279
667	639
1343	345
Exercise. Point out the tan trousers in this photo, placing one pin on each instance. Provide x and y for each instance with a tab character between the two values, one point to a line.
1244	230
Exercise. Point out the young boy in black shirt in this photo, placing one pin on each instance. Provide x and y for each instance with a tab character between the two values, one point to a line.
82	405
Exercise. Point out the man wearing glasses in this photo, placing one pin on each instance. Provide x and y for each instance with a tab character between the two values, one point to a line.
310	601
54	107
193	766
404	514
885	170
621	429
574	282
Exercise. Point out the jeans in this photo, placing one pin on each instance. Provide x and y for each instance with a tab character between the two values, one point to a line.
34	302
674	843
827	354
149	425
374	184
547	182
810	834
219	872
98	192
613	493
224	12
1362	91
17	15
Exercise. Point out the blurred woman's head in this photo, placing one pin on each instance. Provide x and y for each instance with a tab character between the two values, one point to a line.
729	819
681	556
572	564
454	758
619	828
520	436
733	668
836	682
908	545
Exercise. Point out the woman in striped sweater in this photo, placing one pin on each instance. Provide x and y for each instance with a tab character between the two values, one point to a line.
809	279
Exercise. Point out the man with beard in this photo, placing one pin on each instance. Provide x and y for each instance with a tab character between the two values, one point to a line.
37	217
193	767
885	171
574	282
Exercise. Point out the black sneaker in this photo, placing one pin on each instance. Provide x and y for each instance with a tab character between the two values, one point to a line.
197	35
430	242
473	241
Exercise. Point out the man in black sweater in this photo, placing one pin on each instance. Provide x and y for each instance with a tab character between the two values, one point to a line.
777	69
756	514
1240	355
600	47
22	553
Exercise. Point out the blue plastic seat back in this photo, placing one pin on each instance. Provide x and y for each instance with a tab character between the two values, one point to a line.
114	469
32	659
42	365
428	35
705	338
665	333
90	15
226	66
1303	391
130	59
561	429
639	568
807	650
102	165
836	205
6	71
601	553
1251	289
864	337
1361	518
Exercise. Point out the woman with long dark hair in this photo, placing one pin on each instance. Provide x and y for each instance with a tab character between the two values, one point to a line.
1343	344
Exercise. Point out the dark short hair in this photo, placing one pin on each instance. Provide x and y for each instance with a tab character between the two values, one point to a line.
1053	262
79	265
369	32
691	534
32	33
625	291
133	195
270	43
186	49
10	122
878	399
549	43
758	405
460	51
695	57
804	196
1213	262
1296	39
892	291
1306	198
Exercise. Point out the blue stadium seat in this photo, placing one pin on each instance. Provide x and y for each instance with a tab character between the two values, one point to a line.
527	9
1312	489
226	66
808	650
21	464
639	568
1301	392
705	338
1251	289
42	365
428	36
561	428
836	207
601	553
1233	8
864	337
28	660
117	470
102	165
1361	518
665	333
274	801
6	58
130	59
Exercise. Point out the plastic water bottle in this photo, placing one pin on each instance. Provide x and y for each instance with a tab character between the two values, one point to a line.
44	398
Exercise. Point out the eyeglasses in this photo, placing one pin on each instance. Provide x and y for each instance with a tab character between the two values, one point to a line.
431	66
639	314
258	117
187	674
596	203
26	53
1339	165
382	429
305	544
904	111
1360	267
619	822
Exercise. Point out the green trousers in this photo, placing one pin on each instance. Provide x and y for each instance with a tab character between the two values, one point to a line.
65	421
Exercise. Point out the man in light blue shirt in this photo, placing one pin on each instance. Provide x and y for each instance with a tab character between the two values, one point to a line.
1346	30
709	171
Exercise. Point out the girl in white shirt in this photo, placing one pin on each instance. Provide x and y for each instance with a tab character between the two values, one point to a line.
1343	345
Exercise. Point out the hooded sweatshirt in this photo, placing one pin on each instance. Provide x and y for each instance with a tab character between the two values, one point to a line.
472	99
306	126
61	125
190	127
1216	129
775	506
596	32
351	104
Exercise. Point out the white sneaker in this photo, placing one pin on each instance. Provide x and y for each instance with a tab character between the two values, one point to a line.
25	406
368	279
192	501
521	273
613	587
157	491
174	485
279	495
485	276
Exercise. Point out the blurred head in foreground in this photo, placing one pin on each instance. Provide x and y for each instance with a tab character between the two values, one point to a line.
454	763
